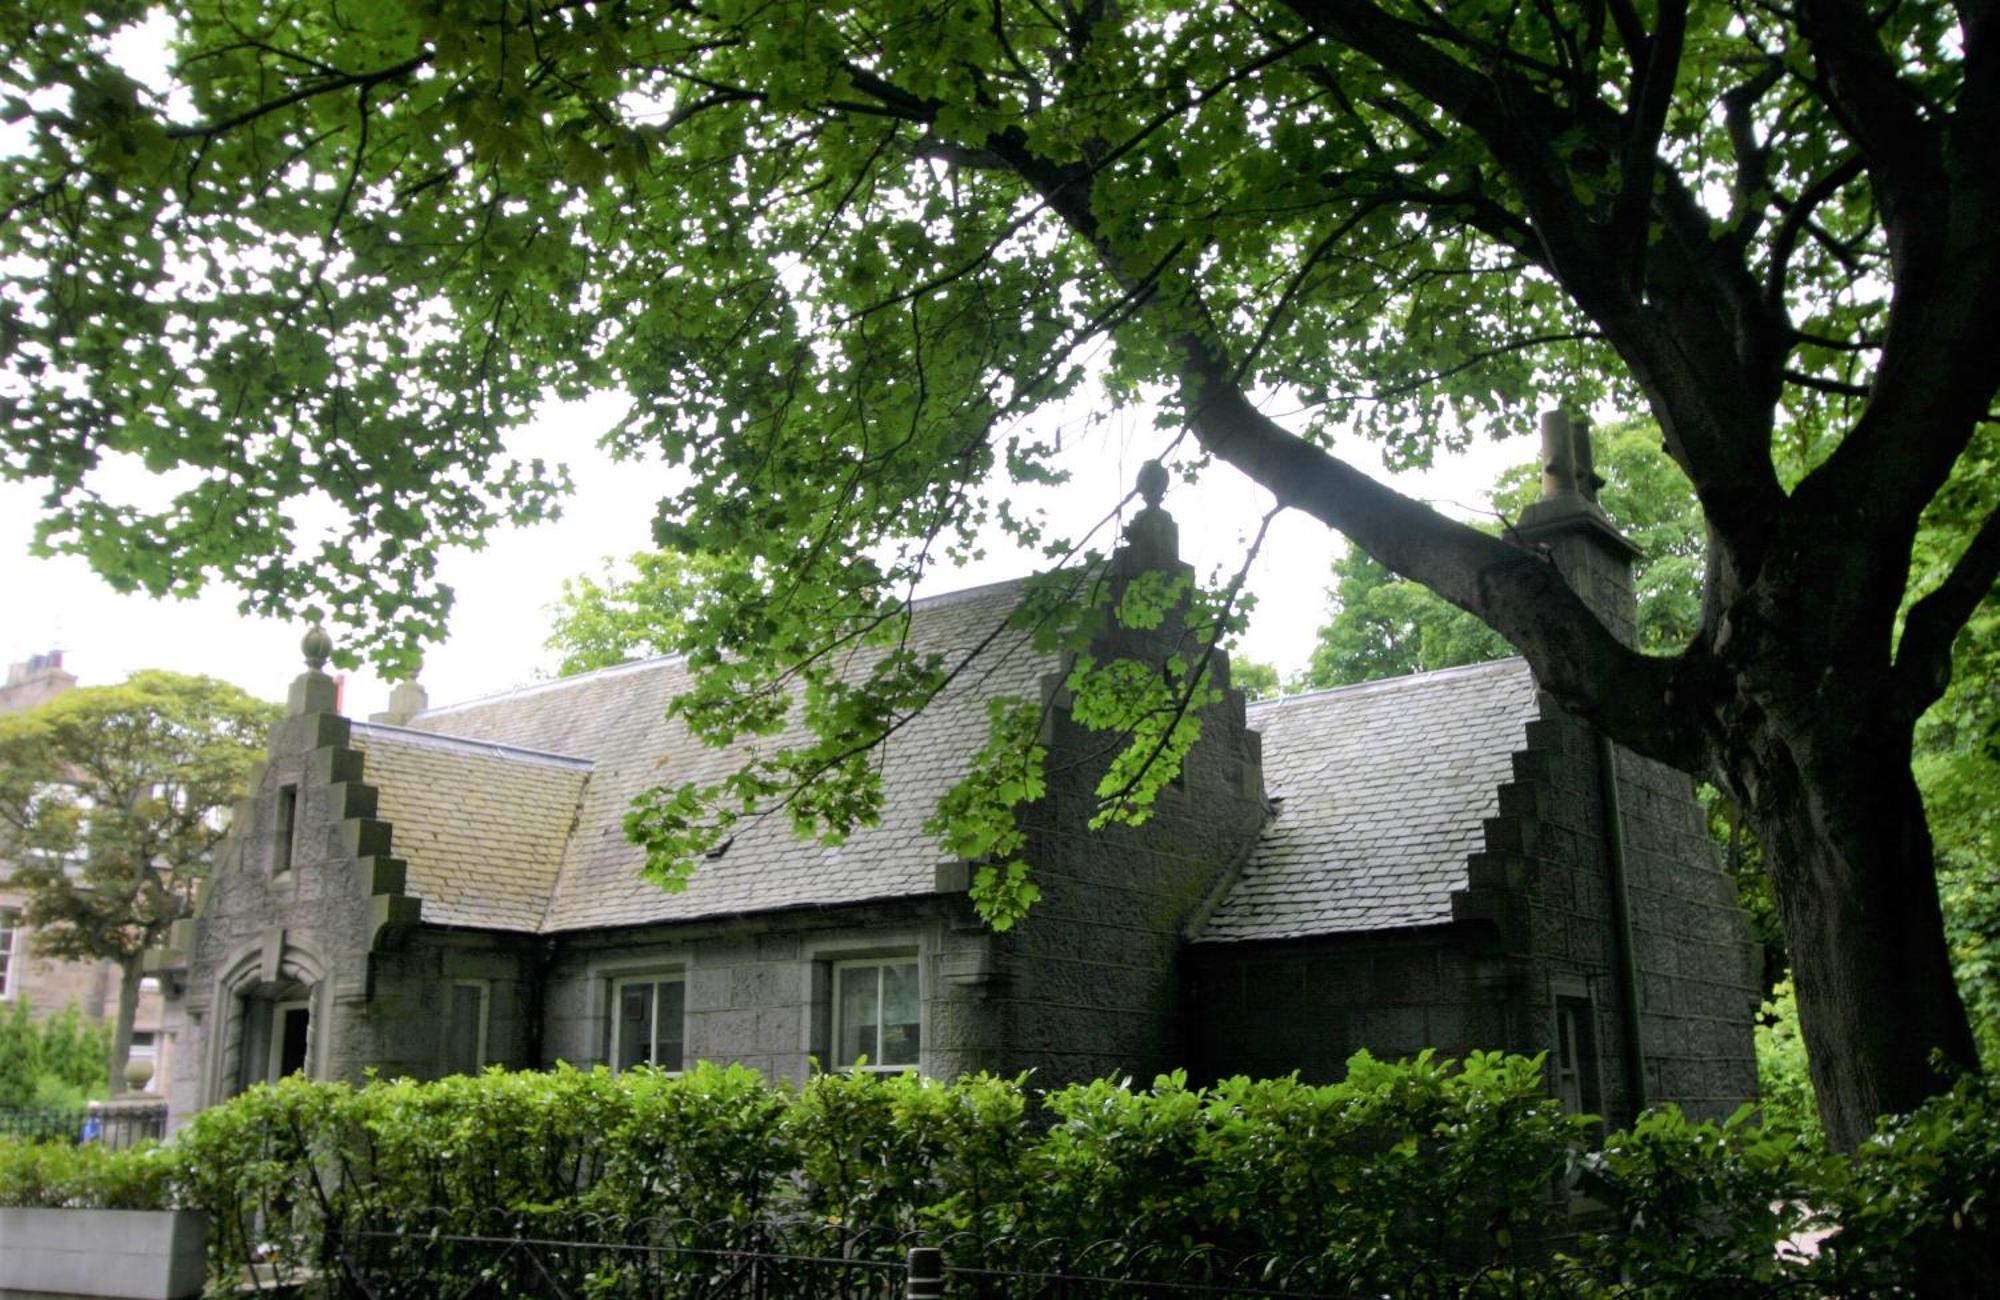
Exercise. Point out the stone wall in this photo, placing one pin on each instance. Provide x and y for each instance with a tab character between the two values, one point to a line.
758	990
1266	1009
1536	930
296	917
1546	883
1089	983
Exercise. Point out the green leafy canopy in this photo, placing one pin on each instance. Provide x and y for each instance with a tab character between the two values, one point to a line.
838	255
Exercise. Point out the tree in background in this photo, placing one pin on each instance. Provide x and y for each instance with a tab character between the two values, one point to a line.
112	799
1957	760
1385	626
1257	681
838	254
58	1063
616	618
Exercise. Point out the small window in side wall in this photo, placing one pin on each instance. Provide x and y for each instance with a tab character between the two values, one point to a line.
1575	1058
288	816
465	1026
877	1014
647	1017
10	929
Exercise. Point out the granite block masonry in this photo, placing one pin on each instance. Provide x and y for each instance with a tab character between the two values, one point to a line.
1439	861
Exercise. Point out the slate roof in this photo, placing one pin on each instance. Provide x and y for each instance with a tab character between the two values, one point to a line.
1380	793
483	827
616	720
509	810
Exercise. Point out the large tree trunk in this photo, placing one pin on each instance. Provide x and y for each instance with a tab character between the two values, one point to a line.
1849	852
131	970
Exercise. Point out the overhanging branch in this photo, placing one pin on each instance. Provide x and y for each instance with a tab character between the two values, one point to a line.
1923	657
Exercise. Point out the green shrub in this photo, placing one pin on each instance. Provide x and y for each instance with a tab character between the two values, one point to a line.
1701	1204
57	1174
1425	1175
57	1064
1784	1086
1915	1204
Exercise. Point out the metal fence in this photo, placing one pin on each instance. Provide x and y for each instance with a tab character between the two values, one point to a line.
115	1126
765	1261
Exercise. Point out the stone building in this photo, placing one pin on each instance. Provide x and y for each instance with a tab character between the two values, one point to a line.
45	985
1445	860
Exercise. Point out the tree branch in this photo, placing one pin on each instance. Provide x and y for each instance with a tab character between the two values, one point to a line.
1923	656
1865	89
1797	218
311	90
1819	383
1644	122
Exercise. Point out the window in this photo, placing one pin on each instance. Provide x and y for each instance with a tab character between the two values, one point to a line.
1575	1060
646	1021
277	1037
877	1014
290	1023
288	816
10	931
465	1027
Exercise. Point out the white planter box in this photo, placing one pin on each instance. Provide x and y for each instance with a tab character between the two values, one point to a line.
133	1254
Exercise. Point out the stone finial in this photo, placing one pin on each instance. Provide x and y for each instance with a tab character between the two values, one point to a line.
318	647
1152	540
312	690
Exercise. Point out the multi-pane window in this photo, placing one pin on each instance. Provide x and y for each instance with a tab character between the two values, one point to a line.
877	1014
10	931
465	1027
1575	1060
647	1014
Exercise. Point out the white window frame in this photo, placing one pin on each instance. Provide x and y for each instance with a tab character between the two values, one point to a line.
618	986
834	1000
1574	1077
485	988
275	1051
10	949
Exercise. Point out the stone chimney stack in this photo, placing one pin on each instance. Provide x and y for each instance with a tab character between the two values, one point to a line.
406	701
1592	555
35	682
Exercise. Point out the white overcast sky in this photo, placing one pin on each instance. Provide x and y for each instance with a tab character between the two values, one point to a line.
504	592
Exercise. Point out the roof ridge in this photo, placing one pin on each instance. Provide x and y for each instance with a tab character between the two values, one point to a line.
486	748
1276	702
553	683
943	600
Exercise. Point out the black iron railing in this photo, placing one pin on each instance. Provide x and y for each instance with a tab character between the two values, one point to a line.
820	1261
119	1125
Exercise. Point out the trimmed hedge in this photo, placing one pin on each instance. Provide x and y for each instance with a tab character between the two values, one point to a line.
144	1176
1414	1176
